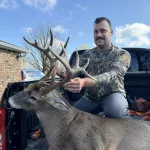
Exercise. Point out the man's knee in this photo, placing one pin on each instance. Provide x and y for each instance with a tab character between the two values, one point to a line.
116	106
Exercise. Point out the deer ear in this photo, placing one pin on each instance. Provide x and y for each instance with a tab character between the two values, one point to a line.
59	104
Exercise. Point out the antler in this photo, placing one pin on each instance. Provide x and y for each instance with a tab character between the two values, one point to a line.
76	69
44	84
46	52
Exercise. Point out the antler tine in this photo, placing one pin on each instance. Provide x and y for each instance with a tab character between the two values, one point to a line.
51	41
77	60
62	51
65	63
46	77
53	84
44	50
77	68
53	75
35	44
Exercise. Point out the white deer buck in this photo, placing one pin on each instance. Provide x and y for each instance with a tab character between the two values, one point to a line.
68	128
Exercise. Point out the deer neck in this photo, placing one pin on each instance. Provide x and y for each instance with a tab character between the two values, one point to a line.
55	122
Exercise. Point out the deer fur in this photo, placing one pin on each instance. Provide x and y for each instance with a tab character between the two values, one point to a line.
67	128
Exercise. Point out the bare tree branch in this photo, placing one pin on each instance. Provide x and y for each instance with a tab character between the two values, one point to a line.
42	36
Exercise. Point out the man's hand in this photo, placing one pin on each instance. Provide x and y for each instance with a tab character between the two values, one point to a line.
75	85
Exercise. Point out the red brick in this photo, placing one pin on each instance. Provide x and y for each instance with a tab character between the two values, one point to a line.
10	69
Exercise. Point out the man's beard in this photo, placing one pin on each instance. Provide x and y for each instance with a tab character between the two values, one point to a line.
103	46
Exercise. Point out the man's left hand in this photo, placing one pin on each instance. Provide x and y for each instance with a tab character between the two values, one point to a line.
75	85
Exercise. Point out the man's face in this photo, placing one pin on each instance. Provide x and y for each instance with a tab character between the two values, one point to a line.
102	34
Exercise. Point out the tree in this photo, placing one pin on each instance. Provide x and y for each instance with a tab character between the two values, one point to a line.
42	35
83	46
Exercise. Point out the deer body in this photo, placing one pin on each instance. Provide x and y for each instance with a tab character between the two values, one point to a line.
72	129
67	128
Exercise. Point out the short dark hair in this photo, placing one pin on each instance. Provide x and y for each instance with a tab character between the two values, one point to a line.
99	19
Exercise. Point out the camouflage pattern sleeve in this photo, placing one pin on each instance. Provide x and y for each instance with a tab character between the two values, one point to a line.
112	79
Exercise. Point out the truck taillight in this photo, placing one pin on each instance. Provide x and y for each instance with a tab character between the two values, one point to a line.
23	77
2	129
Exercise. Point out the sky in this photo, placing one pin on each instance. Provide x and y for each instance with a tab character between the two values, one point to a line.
74	18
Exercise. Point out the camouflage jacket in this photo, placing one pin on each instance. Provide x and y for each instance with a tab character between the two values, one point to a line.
109	68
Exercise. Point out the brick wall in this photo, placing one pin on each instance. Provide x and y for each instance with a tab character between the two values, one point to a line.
10	69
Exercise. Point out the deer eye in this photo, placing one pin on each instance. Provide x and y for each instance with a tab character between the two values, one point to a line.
33	98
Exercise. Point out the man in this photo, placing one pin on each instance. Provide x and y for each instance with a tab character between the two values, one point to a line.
108	65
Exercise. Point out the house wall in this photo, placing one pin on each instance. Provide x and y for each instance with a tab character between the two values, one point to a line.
10	69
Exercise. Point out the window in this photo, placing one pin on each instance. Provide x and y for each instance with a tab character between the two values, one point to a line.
35	73
140	59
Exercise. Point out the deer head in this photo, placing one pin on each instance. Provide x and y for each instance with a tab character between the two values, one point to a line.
37	93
